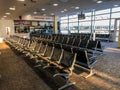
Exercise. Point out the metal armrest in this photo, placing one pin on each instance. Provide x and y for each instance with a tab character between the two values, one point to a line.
62	74
93	57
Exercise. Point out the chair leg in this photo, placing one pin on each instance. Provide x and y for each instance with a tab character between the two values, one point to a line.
38	61
90	74
67	85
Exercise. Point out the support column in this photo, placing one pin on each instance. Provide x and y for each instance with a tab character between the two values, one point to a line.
55	25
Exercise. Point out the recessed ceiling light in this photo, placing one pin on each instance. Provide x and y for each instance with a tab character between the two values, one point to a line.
12	8
44	14
65	10
7	13
77	7
72	7
52	14
35	12
4	16
43	9
62	11
99	1
55	4
116	5
21	0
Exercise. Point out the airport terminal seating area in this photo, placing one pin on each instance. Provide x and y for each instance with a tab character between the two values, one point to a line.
60	53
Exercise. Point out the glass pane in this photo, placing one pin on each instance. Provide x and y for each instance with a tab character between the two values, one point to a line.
73	16
112	24
86	18
116	9
64	21
116	39
62	18
64	26
88	14
116	15
64	31
105	16
102	11
85	27
73	27
73	20
102	26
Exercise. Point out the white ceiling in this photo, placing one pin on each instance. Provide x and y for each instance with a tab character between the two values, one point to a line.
29	6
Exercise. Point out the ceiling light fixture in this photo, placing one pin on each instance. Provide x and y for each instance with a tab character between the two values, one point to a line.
65	10
72	7
21	0
62	11
4	16
29	15
52	14
35	12
116	5
77	7
12	8
44	14
43	9
7	13
99	1
55	4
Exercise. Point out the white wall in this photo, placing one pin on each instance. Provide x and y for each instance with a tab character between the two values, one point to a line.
6	28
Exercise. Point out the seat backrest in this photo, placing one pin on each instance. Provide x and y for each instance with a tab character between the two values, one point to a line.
92	44
67	48
83	43
82	58
57	52
59	39
76	42
43	47
70	41
65	40
68	60
37	47
48	51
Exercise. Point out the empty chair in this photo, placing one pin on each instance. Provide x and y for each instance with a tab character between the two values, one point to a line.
65	40
76	42
49	50
67	62
70	41
83	44
42	49
99	49
85	60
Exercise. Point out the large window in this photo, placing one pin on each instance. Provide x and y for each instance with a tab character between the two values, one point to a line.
101	21
64	25
85	27
73	24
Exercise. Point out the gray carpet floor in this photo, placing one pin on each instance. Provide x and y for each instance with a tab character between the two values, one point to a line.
16	74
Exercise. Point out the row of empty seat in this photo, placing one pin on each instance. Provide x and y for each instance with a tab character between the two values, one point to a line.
62	52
